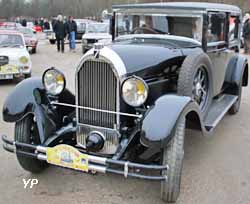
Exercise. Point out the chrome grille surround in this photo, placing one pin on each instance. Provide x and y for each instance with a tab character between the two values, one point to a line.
89	121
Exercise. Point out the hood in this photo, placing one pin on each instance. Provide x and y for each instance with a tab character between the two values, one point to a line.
97	36
13	53
137	58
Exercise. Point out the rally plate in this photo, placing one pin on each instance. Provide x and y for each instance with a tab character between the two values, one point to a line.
67	156
7	69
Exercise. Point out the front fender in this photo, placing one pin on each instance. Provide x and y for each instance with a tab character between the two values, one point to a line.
160	120
23	101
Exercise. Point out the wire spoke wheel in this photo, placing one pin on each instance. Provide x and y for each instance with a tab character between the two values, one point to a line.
200	87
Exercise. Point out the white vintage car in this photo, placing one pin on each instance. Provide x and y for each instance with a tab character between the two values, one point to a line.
95	32
14	58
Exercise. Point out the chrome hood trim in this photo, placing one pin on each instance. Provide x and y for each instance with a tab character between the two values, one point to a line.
108	54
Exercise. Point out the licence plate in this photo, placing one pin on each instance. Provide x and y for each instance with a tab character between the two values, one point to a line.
67	156
7	76
5	69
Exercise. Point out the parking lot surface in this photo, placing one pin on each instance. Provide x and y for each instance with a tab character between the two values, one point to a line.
216	169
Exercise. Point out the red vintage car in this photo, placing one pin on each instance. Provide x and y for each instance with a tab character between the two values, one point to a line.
30	38
35	28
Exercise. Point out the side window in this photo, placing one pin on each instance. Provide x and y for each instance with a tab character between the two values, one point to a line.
216	27
233	28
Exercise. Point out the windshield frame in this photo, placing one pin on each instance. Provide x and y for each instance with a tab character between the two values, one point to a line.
160	12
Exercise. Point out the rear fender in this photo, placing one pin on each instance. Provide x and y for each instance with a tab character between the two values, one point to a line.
237	72
160	120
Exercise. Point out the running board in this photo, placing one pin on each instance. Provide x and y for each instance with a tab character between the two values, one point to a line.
218	110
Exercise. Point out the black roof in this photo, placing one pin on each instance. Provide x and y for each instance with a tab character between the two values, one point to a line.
181	5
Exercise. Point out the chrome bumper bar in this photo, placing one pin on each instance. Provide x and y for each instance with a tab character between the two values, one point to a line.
96	163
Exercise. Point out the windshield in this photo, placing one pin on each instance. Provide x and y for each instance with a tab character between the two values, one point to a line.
11	40
81	26
98	28
190	27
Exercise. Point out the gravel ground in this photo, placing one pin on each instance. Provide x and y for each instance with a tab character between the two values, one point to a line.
216	169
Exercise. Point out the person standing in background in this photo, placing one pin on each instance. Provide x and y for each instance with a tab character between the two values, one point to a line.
24	22
42	23
36	22
46	24
246	33
72	30
61	32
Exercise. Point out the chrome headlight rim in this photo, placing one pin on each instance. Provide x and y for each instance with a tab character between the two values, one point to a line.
145	87
44	82
24	59
84	41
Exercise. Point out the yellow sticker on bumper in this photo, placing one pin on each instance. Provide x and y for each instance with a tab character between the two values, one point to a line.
7	69
67	156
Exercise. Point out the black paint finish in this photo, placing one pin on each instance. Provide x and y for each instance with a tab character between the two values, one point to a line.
160	120
140	57
22	102
29	97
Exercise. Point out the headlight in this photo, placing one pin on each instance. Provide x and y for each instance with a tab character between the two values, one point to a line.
23	60
54	81
84	41
134	91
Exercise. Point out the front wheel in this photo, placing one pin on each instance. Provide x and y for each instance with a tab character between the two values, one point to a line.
26	132
52	42
33	51
173	157
26	76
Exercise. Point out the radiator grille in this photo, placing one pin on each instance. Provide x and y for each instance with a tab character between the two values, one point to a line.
4	60
97	88
111	138
92	41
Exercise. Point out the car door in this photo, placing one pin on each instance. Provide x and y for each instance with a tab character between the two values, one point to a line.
217	47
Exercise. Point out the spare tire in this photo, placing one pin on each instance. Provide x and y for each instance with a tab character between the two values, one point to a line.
195	80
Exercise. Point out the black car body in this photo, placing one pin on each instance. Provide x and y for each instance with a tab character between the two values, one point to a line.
171	66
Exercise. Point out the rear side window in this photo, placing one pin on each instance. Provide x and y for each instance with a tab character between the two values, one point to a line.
216	28
233	28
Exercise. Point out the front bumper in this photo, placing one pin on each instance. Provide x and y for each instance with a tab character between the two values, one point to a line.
91	163
14	74
31	45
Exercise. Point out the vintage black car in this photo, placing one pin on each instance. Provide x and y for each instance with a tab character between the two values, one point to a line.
171	66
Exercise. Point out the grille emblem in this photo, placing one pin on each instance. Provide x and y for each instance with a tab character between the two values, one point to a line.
97	49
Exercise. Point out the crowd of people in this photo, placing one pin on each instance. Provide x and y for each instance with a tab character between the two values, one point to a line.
62	26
